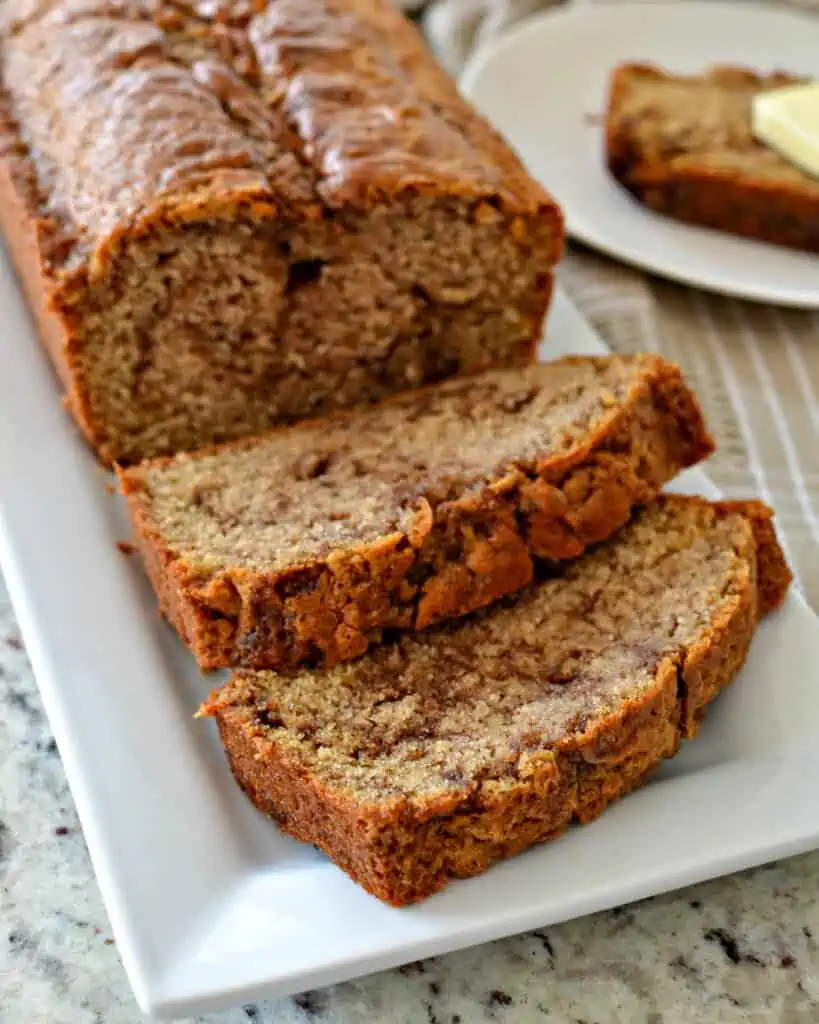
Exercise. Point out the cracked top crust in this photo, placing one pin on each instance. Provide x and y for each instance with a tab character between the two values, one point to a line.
133	110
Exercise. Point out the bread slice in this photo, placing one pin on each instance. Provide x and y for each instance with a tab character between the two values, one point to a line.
435	756
230	215
685	147
305	544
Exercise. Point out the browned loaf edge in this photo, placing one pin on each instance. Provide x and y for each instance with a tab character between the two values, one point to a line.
402	852
250	136
758	207
461	554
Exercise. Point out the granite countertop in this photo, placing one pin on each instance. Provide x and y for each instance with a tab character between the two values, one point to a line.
742	948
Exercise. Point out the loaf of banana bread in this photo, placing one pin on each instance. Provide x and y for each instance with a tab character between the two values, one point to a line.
685	147
232	214
437	755
305	544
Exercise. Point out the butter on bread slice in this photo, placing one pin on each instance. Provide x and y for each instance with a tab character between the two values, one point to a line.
787	120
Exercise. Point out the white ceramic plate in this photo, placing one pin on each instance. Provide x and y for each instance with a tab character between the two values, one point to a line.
210	905
544	85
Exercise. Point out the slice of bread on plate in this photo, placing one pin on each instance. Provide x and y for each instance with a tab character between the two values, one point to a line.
434	756
684	146
305	544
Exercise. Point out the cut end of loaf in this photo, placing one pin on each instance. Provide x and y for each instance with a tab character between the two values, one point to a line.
200	334
221	230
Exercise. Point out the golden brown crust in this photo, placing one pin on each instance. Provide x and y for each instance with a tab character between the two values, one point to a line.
402	855
349	84
460	555
774	576
403	850
778	208
265	117
30	240
432	137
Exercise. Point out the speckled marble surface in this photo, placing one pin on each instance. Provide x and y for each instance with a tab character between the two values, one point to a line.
738	949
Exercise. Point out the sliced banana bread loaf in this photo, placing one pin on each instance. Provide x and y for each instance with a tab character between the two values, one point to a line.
685	147
235	213
304	544
434	756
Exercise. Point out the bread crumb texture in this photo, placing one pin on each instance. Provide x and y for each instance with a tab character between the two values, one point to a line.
437	754
232	214
303	544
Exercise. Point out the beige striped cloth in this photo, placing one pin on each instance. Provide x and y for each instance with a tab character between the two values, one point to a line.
755	368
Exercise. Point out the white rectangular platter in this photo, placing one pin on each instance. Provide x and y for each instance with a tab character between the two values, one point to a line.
210	905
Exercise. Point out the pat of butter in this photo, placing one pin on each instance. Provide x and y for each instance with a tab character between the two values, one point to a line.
787	120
